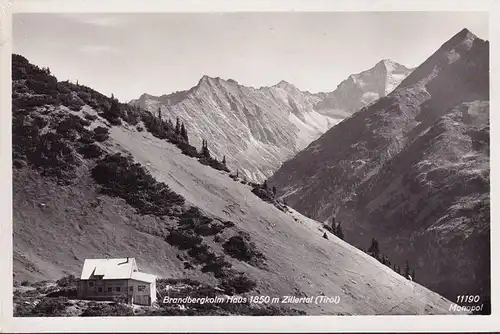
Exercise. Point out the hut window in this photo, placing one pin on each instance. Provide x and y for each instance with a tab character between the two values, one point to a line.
117	289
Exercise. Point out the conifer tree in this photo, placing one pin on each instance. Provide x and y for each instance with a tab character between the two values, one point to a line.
114	109
413	274
224	160
338	232
264	185
325	236
178	127
374	248
184	134
274	190
204	149
237	173
407	269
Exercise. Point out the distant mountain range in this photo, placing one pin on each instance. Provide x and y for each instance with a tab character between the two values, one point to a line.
411	170
258	129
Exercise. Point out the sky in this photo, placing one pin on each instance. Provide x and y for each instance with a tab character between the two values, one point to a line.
160	53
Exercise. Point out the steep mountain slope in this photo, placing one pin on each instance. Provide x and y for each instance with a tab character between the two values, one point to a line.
411	170
70	205
258	129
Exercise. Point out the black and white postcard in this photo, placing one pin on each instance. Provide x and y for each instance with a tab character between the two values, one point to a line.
167	164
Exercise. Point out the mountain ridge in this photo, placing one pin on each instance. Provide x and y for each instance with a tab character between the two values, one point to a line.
258	128
376	170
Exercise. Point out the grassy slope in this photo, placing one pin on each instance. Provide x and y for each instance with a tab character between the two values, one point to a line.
56	227
299	259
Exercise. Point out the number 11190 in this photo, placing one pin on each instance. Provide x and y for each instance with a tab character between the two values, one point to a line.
468	299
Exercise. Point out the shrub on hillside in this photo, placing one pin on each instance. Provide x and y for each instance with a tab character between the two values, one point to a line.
69	281
119	176
201	254
264	193
90	151
173	281
90	117
131	115
50	307
54	156
87	137
240	247
194	220
217	266
69	123
188	149
214	163
101	133
238	283
72	101
33	101
107	310
183	239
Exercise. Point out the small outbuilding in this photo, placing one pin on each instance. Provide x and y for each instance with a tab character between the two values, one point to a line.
116	279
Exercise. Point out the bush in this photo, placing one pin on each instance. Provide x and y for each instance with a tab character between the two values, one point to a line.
200	224
72	101
214	163
71	125
217	266
101	133
240	247
90	117
90	151
228	223
54	156
107	310
51	307
264	194
131	115
174	281
69	281
201	254
33	101
183	239
119	176
238	284
87	137
188	150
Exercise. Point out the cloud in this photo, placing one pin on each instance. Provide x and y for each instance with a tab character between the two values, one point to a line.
101	20
97	50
